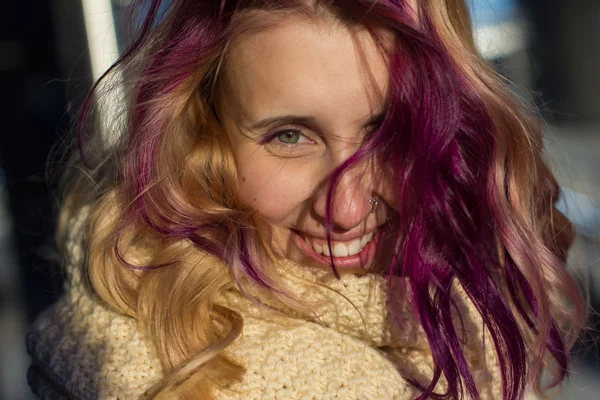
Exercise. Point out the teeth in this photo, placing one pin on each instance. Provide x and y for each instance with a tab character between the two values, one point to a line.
354	247
342	249
366	239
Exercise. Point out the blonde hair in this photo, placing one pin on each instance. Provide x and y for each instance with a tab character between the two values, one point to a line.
167	234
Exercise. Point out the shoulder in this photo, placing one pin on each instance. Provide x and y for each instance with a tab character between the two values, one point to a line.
82	349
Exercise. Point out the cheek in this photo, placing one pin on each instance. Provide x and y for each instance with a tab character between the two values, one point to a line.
275	188
388	187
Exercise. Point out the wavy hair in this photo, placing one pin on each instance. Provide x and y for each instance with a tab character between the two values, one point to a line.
167	233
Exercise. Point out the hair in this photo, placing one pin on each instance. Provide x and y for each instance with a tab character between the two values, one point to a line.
167	233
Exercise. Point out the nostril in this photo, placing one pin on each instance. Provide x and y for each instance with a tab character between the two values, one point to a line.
349	204
350	216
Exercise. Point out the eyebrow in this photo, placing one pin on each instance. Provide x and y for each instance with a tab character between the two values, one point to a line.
283	120
303	120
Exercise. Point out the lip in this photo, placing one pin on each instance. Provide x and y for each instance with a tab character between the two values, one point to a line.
362	260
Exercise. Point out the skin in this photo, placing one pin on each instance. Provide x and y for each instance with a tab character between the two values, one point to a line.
332	82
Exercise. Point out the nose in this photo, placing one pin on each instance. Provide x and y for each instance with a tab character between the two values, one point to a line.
351	197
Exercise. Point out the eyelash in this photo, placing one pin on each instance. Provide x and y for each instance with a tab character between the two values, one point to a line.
271	138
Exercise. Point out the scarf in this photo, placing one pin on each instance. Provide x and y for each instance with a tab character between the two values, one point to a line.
349	347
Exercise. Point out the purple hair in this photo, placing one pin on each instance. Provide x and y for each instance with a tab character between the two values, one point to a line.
441	141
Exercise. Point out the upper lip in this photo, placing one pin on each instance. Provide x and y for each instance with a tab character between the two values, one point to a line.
345	237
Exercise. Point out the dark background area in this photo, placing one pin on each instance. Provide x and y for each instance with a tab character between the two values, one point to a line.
45	70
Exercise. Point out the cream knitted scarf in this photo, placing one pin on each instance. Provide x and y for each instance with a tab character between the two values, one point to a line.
351	349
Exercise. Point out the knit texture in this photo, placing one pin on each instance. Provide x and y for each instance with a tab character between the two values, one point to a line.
350	349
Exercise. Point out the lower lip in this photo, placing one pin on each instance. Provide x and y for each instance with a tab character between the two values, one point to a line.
362	260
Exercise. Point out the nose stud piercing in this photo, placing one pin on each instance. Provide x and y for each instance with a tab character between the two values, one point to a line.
373	203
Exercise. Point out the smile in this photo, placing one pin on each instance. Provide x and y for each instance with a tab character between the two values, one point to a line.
340	249
355	253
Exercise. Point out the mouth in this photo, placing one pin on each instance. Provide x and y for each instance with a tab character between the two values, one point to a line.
358	253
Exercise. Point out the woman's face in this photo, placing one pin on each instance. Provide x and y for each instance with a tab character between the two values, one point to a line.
297	100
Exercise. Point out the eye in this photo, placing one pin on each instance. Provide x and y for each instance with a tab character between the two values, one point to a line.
290	142
287	137
375	125
290	136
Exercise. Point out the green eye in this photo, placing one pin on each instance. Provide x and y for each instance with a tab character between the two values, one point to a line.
289	137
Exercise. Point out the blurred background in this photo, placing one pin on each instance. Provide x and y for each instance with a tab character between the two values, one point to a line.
52	50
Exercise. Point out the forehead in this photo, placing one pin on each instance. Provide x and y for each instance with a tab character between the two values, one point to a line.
305	66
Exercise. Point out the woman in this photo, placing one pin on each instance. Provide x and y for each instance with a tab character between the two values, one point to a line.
310	199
